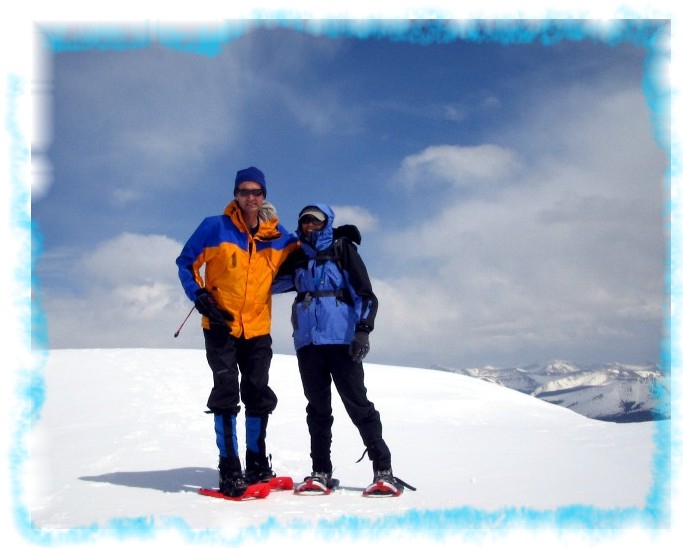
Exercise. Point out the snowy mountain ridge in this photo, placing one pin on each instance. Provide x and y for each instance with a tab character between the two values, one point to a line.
613	392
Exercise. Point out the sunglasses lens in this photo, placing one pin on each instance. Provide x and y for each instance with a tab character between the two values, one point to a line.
250	192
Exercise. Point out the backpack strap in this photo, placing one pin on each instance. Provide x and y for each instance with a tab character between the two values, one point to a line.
332	253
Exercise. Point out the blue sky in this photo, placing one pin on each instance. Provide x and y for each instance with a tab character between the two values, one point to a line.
510	184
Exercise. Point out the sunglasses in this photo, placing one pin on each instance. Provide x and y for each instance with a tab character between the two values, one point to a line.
249	192
311	220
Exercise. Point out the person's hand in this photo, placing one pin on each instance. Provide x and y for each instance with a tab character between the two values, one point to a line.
360	346
206	305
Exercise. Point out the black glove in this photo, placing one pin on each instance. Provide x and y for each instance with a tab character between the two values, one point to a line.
360	346
207	306
347	231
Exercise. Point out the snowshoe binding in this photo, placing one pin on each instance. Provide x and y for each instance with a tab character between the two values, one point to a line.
232	485
318	483
385	484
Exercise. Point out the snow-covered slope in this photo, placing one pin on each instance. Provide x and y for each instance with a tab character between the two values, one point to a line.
612	392
121	443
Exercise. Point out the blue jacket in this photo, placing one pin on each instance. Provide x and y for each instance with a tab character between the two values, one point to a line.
239	267
334	293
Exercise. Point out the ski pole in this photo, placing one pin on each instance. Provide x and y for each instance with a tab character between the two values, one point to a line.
182	324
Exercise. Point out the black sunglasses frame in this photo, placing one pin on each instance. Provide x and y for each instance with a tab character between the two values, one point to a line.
249	192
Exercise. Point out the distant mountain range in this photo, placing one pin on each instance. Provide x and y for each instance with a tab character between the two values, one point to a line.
612	392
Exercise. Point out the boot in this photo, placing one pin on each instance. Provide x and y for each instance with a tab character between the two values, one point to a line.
322	479
391	484
258	468
231	481
384	483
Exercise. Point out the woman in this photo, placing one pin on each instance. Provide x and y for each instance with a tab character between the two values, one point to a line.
333	315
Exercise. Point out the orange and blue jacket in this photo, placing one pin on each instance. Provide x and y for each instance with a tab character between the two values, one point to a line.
239	267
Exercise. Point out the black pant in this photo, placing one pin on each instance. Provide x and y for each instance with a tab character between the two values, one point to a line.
228	357
319	365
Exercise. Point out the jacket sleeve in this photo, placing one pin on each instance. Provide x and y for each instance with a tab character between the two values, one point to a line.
360	281
191	259
284	277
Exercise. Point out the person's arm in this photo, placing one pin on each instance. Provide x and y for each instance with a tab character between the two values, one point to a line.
359	280
284	278
191	259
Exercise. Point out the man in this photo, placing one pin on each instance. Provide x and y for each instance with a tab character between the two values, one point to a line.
240	251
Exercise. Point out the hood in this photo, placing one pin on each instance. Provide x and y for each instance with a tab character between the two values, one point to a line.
322	239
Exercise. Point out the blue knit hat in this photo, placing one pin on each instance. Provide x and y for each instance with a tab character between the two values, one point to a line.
250	174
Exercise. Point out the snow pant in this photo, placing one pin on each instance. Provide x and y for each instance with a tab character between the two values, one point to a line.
228	357
319	366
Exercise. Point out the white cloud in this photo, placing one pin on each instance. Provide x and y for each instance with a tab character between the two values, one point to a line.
159	138
123	196
453	113
132	259
321	112
569	261
459	166
129	296
41	176
357	215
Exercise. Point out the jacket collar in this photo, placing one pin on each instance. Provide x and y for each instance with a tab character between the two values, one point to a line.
267	230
